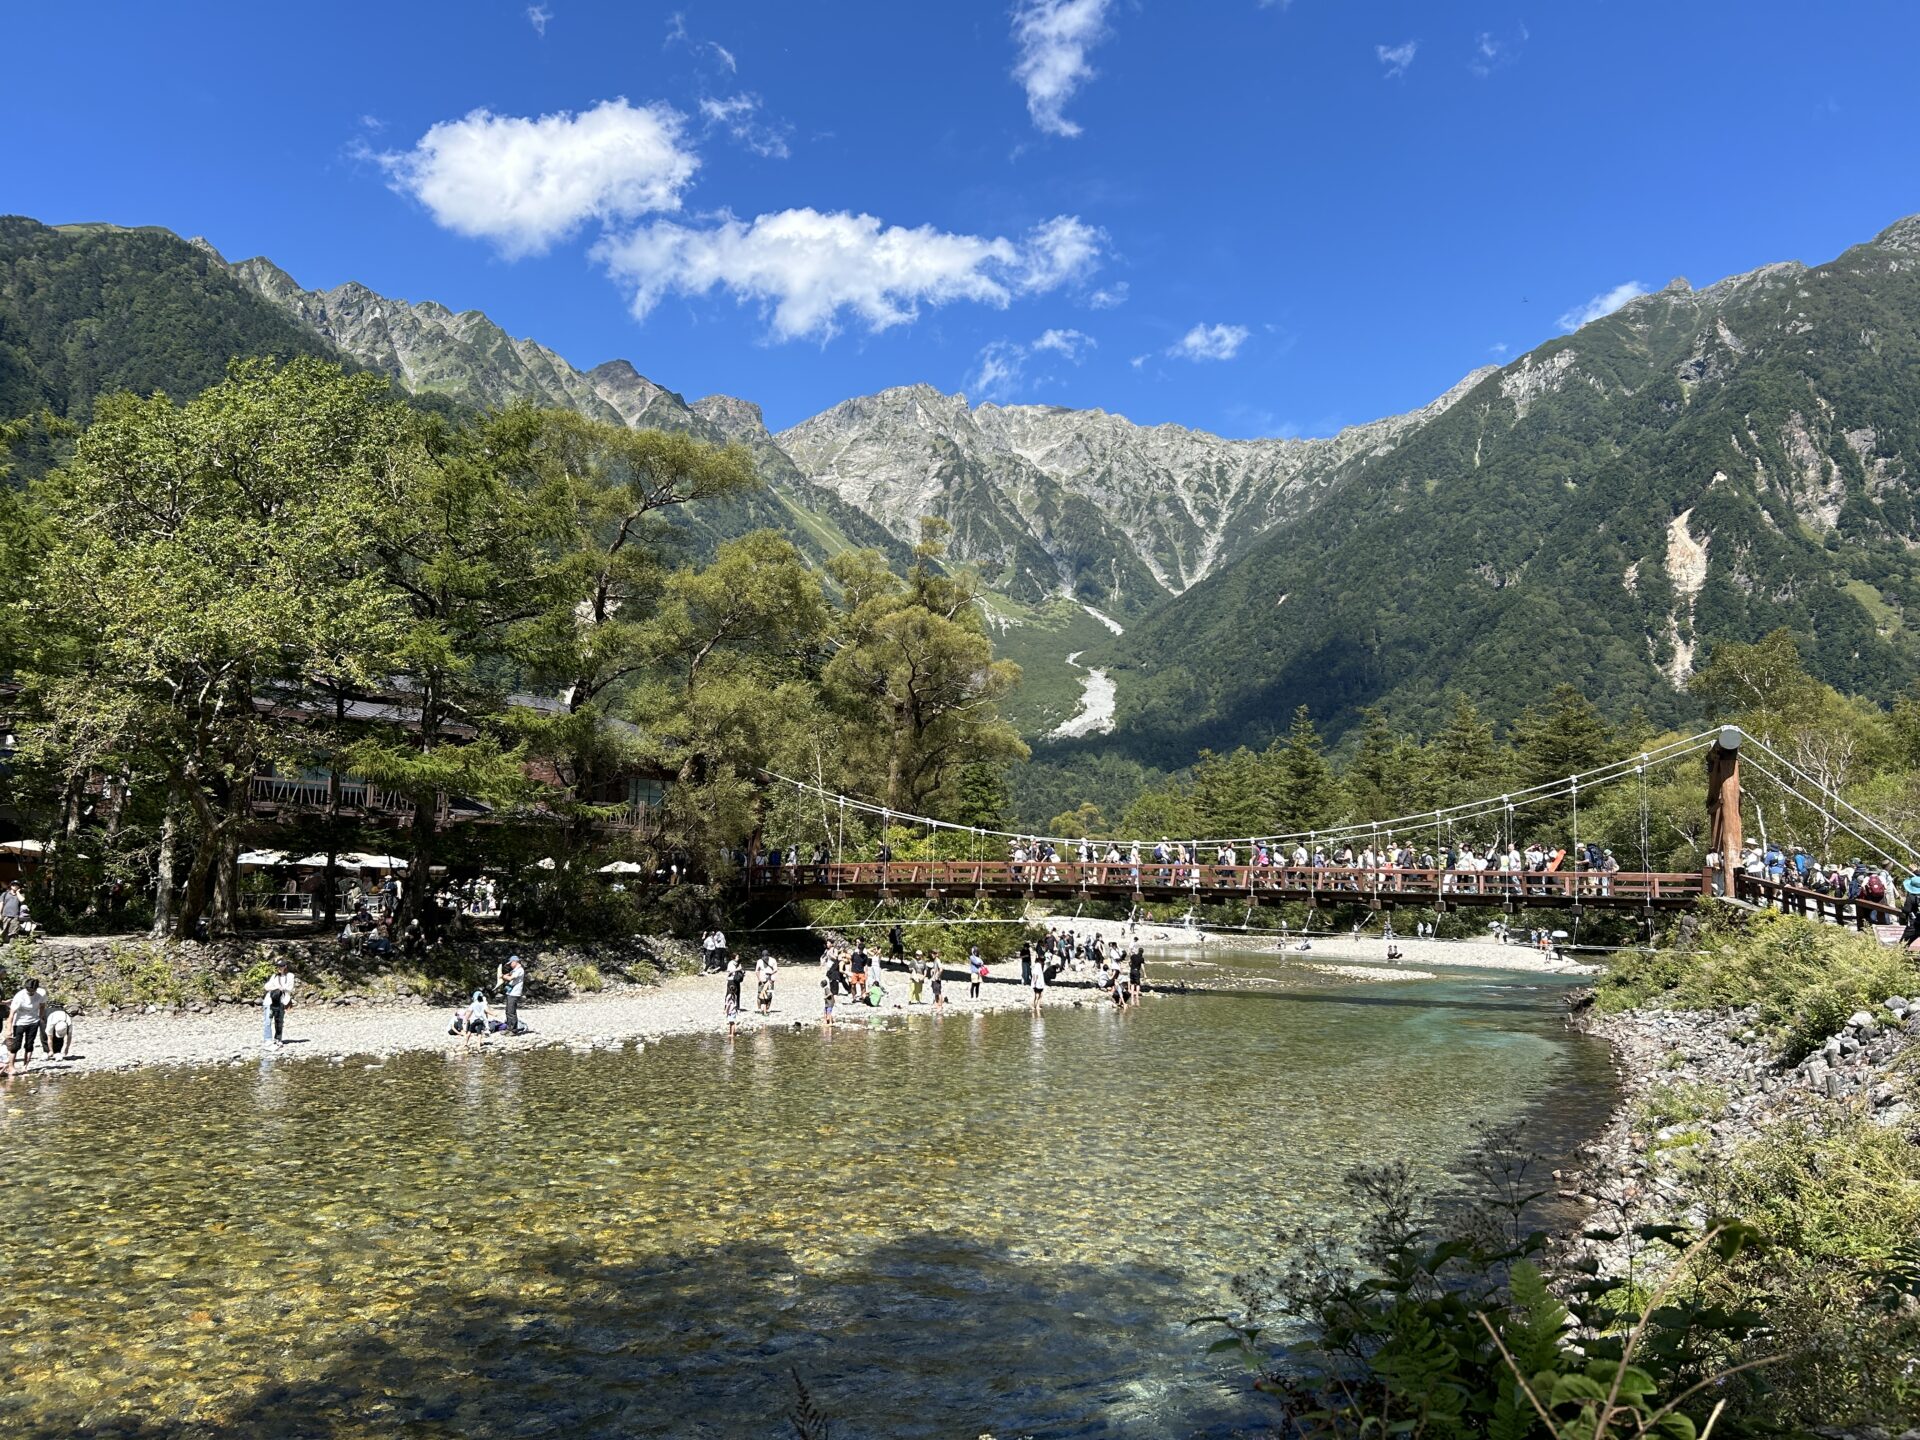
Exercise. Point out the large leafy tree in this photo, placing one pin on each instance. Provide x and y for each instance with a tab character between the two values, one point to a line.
464	542
913	678
192	555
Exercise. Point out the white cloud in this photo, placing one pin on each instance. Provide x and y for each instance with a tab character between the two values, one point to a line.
741	117
1396	58
1138	361
1054	37
1210	342
1109	297
998	371
1001	367
525	183
1491	53
538	16
1499	347
677	35
805	267
1602	305
1069	344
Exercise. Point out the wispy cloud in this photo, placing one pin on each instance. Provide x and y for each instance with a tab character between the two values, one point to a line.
1000	369
1210	342
1499	347
806	268
1491	52
1068	344
538	16
1109	297
525	183
743	117
1053	38
677	35
1602	305
1396	58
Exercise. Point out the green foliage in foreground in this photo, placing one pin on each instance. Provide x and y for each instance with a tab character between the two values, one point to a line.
1442	1323
1803	978
1449	1320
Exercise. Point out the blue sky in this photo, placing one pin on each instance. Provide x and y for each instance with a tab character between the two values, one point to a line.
1253	218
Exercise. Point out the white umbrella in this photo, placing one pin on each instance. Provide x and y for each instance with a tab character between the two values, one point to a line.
546	864
1559	934
22	847
313	862
621	867
358	861
263	857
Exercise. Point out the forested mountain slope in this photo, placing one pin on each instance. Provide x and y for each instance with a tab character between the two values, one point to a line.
1699	465
87	310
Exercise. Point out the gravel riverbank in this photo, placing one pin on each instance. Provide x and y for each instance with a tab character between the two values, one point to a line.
1697	1087
340	1028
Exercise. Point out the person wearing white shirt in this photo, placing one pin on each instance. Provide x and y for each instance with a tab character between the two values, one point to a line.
277	997
23	1023
57	1031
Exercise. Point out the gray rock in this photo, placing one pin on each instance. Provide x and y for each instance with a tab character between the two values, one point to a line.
1860	1020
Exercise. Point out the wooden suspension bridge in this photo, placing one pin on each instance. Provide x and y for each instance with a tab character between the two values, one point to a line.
1132	881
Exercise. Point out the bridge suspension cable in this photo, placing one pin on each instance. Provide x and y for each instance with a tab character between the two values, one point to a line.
1450	815
1834	795
1894	861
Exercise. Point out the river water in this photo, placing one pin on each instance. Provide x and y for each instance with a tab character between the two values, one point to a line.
944	1227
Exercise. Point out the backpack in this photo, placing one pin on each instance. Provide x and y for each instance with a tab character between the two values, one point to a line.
1875	888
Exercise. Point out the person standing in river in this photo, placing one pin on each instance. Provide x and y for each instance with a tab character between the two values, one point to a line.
23	1023
1038	981
764	973
730	1007
276	999
1136	973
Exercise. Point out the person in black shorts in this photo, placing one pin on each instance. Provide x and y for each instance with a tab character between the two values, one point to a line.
1136	972
23	1023
736	976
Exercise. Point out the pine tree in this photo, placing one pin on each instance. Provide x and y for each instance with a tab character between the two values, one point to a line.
1307	793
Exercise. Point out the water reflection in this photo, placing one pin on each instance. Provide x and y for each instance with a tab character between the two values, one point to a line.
998	1223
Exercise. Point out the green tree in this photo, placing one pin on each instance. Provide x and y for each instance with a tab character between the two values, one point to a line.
913	677
193	556
1307	792
463	541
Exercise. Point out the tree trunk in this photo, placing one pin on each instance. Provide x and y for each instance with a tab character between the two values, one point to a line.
328	908
163	908
226	883
193	903
413	894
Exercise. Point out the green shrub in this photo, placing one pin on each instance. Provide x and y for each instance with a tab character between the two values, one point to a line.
1681	1102
585	979
1441	1324
1804	978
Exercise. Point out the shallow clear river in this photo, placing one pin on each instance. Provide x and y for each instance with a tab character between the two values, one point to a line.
945	1227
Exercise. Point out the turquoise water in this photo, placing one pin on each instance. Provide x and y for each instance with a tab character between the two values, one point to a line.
945	1227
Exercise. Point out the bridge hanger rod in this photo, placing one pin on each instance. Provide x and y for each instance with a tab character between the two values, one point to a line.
1599	775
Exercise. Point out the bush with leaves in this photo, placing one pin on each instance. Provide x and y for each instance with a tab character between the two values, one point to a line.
1440	1322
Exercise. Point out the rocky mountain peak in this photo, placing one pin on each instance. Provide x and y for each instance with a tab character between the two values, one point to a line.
738	419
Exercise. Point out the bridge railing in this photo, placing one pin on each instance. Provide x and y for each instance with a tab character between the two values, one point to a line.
1221	882
1796	900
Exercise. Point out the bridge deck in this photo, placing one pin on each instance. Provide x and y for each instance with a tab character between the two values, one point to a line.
1228	884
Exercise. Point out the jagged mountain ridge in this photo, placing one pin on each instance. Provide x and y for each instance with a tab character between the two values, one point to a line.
464	357
1698	466
1048	500
1045	501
